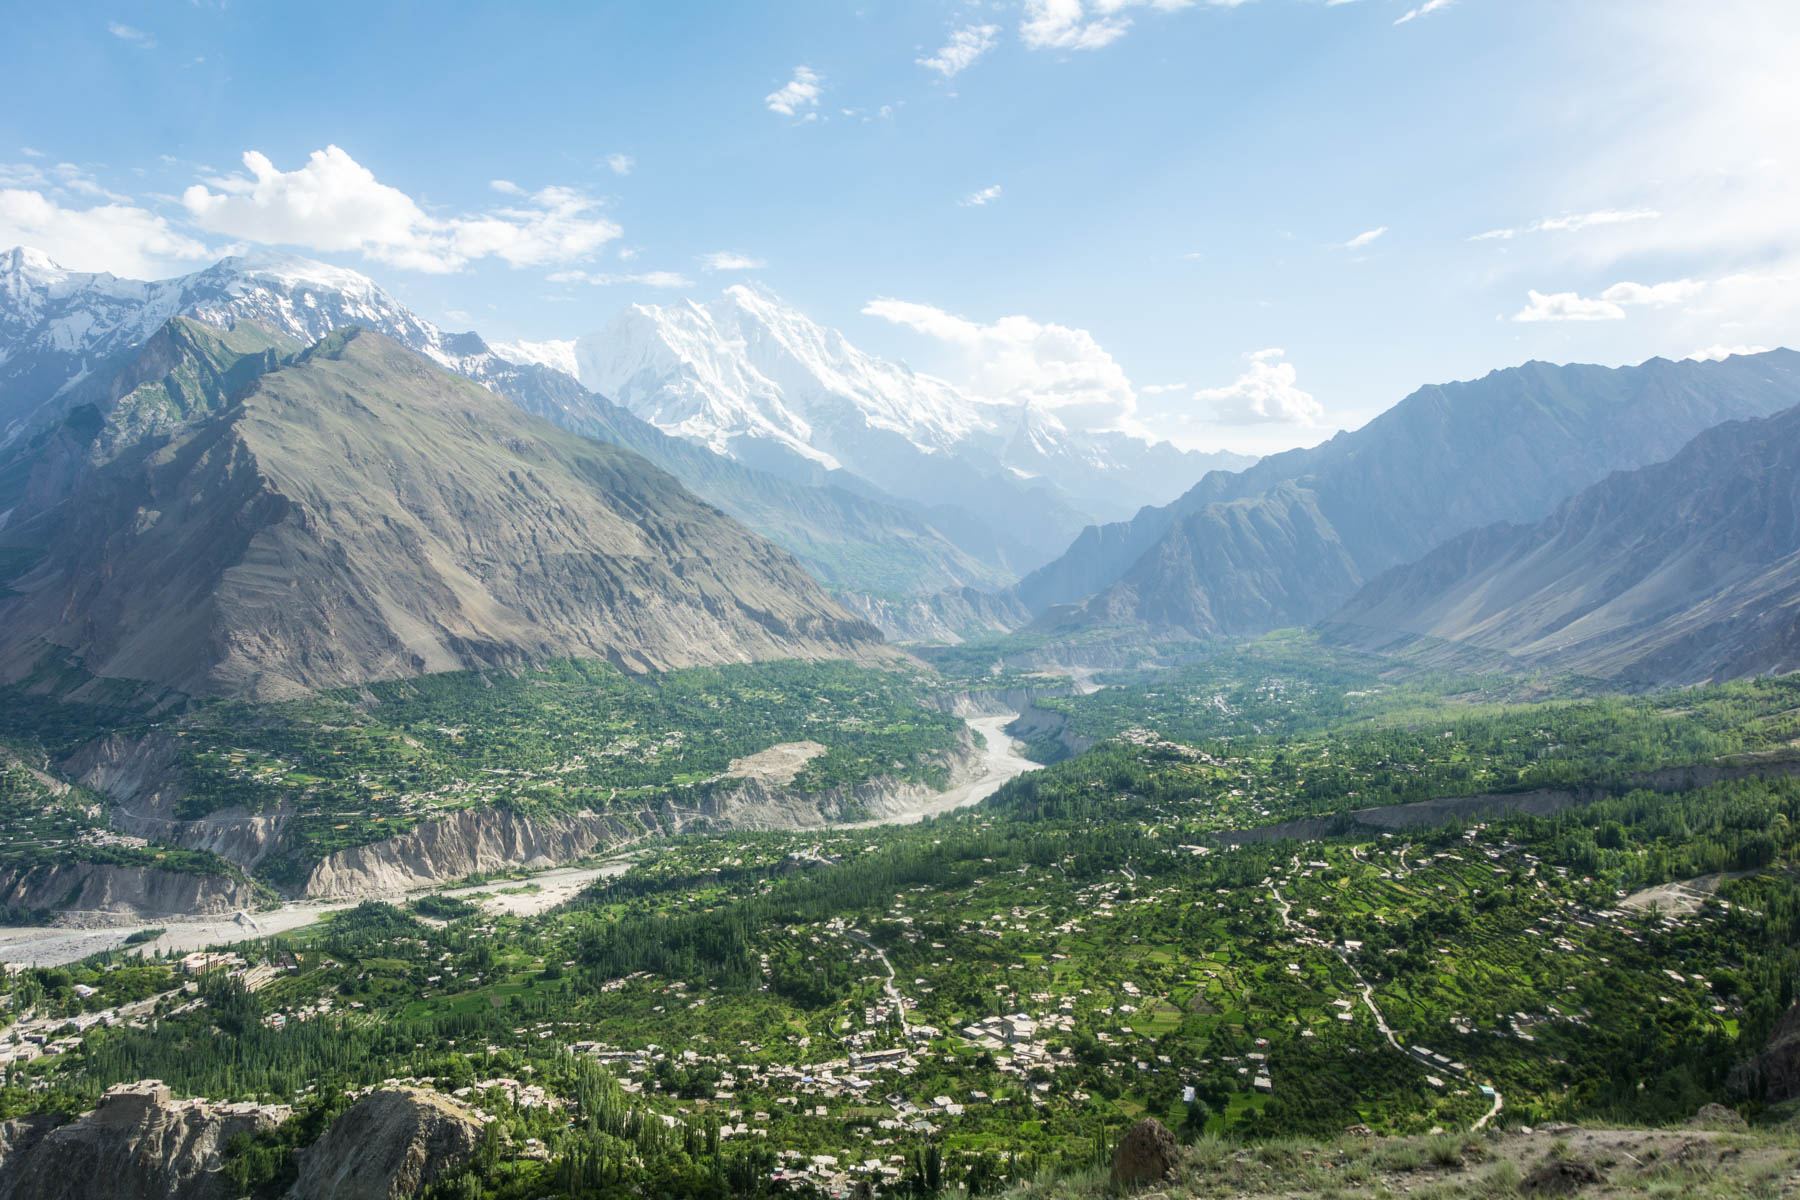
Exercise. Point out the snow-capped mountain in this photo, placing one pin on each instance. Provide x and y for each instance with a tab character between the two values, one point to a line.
745	366
752	378
743	376
69	339
62	332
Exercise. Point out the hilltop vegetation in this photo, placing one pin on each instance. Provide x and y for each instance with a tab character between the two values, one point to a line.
990	997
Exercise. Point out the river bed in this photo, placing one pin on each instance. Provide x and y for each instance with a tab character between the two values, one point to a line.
48	946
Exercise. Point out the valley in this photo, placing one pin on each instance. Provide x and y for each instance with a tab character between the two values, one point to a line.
702	757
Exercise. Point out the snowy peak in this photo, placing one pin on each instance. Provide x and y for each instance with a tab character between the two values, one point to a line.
24	262
745	372
67	333
747	367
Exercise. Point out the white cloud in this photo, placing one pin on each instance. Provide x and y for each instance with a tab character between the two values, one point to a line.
59	180
121	238
962	50
1659	295
1087	24
1571	223
1720	353
1020	360
126	33
334	203
619	164
1364	238
506	187
730	260
1567	306
1161	389
655	279
1264	394
1430	6
800	92
1611	304
977	199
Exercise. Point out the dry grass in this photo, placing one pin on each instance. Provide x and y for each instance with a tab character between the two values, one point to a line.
1701	1164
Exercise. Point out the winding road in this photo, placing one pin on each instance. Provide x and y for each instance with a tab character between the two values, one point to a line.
893	993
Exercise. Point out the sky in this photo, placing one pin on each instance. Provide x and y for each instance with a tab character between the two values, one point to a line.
1237	224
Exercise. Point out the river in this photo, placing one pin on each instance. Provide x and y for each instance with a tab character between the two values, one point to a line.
1001	761
47	946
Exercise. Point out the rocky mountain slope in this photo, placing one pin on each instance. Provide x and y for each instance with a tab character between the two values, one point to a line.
1449	458
389	1145
1681	572
754	379
361	513
72	340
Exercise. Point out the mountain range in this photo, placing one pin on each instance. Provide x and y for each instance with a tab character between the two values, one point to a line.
964	520
1682	572
755	380
909	501
1292	538
257	524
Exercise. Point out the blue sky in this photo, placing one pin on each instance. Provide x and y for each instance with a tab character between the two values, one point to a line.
1243	224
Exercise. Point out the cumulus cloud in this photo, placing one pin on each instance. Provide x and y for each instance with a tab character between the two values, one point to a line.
962	50
986	195
1567	306
1020	360
1659	295
120	238
1264	394
730	260
1611	304
1571	223
334	203
1162	389
619	164
1087	24
800	92
1364	238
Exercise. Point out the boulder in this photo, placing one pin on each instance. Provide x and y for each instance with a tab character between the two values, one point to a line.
1561	1177
1146	1154
1717	1116
139	1144
388	1145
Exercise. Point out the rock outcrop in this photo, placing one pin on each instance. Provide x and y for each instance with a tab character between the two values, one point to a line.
495	839
1146	1154
78	893
142	776
390	1144
139	1144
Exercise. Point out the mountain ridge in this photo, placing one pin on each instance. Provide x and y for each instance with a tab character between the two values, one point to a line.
1684	571
361	513
1448	458
76	333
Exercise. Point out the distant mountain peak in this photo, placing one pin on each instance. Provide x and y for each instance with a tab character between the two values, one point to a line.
23	260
